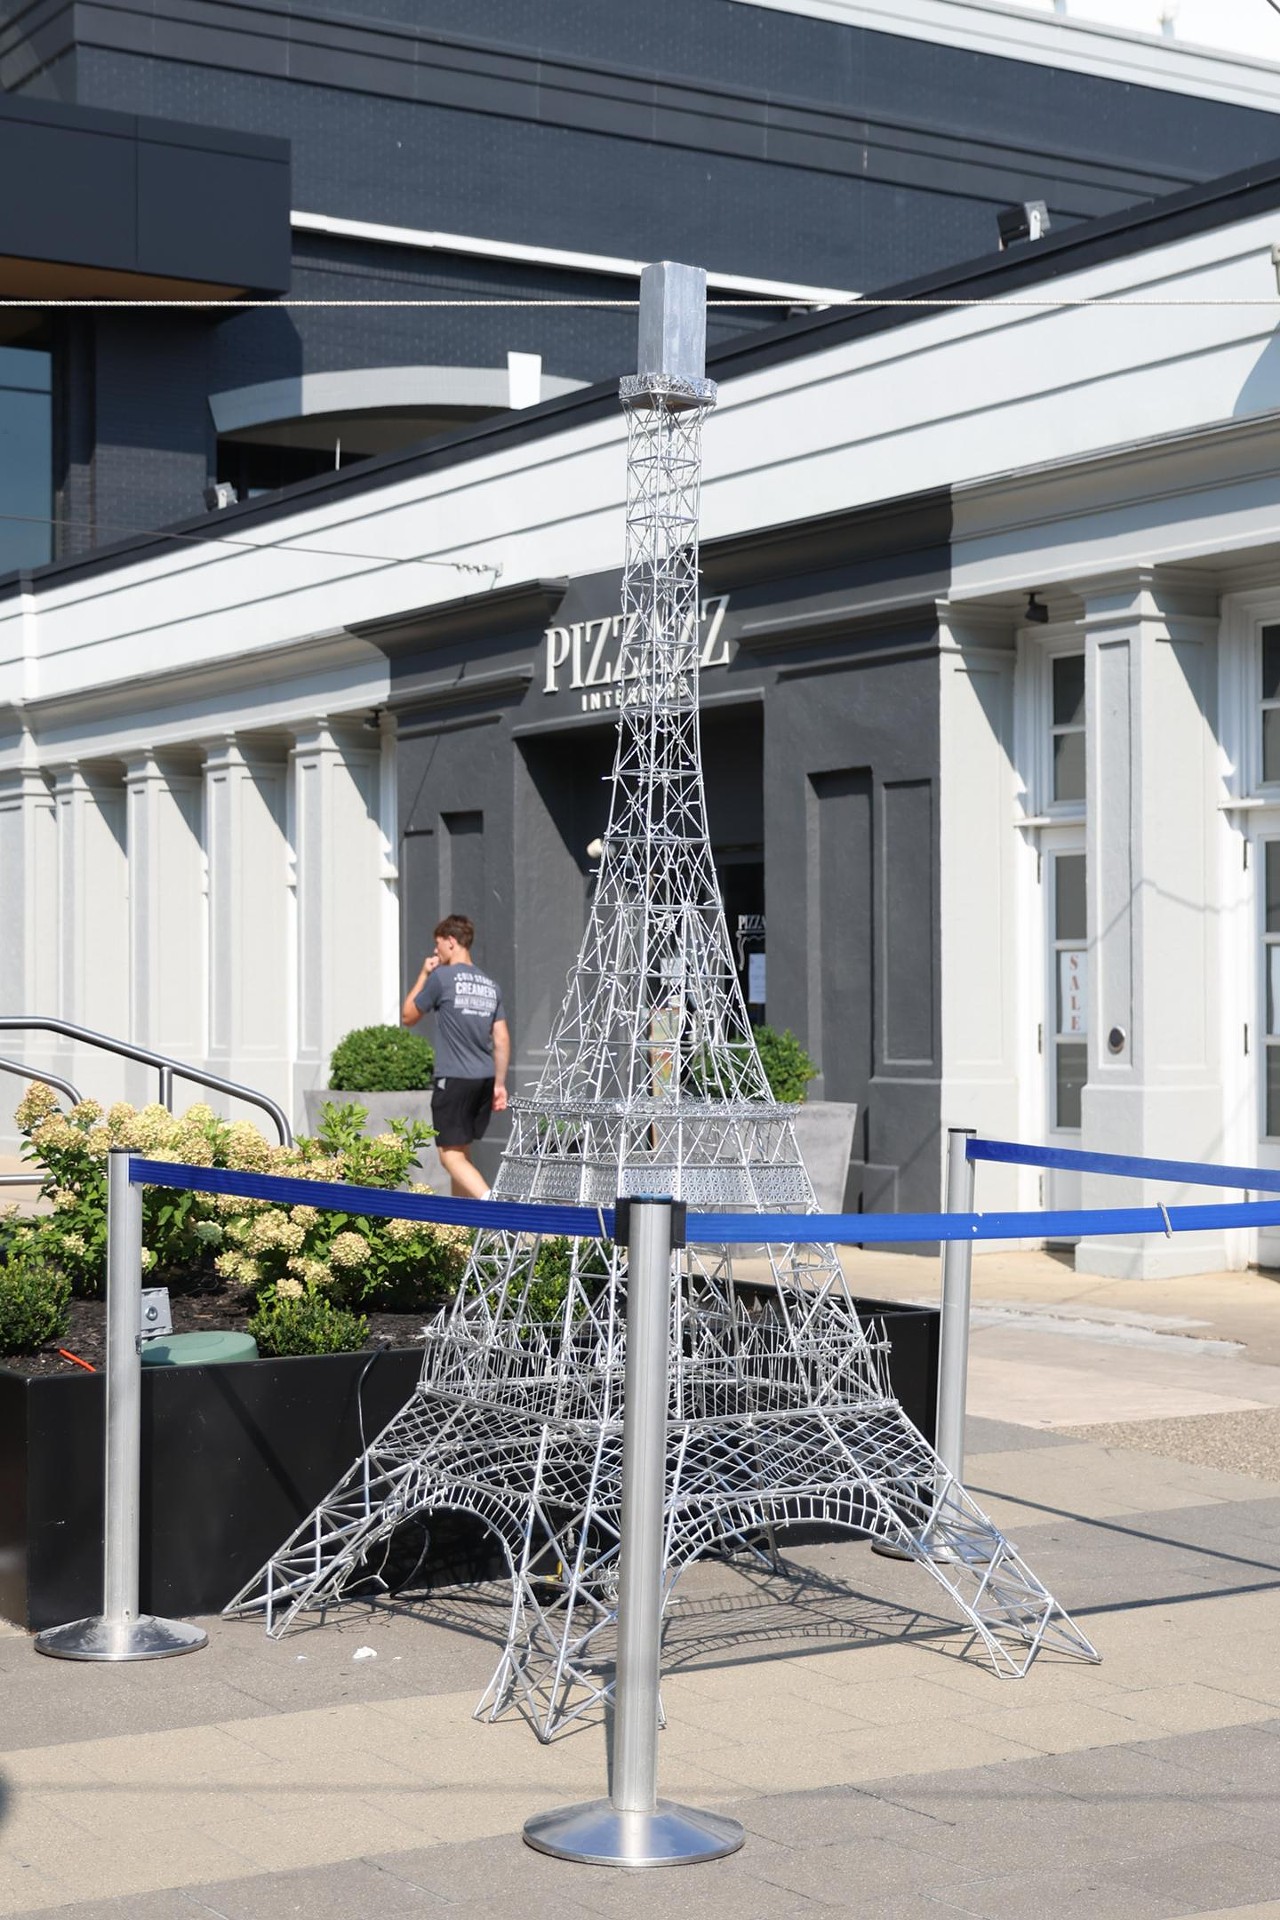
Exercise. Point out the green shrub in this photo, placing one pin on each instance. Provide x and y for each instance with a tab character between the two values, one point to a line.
35	1300
555	1263
305	1322
787	1067
715	1071
553	1273
381	1060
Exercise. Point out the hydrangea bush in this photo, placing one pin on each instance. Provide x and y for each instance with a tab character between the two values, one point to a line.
270	1253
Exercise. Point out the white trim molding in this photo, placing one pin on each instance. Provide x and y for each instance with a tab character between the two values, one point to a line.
364	389
424	240
1056	40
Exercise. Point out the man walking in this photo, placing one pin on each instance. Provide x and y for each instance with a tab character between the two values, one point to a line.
473	1050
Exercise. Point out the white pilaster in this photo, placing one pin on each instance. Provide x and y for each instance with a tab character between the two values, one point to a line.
250	934
339	852
389	871
1155	1073
984	1009
28	888
93	899
166	909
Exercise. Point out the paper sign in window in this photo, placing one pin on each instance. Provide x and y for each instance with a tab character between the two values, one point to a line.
1073	991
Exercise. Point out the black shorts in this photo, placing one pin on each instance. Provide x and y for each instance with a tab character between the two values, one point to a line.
460	1110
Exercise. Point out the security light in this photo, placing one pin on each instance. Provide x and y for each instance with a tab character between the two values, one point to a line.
1028	220
1037	612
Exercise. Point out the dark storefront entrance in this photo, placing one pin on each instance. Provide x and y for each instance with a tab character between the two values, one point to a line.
568	771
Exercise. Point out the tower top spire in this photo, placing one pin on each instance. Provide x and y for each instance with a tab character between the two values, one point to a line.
673	321
671	362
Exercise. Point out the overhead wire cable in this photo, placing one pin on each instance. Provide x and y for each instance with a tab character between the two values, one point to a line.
853	303
282	545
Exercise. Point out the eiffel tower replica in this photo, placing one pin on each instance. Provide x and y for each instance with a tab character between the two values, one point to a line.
780	1409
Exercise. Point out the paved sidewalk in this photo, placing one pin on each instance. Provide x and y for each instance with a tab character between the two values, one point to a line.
879	1766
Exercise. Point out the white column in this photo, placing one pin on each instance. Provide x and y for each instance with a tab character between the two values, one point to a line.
166	910
984	1010
93	899
28	926
392	991
339	856
1155	1072
93	922
250	931
29	890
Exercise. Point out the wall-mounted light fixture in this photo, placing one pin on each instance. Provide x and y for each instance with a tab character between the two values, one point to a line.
1028	220
1037	612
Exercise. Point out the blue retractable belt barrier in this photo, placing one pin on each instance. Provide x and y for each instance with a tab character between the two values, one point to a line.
714	1229
1190	1173
387	1202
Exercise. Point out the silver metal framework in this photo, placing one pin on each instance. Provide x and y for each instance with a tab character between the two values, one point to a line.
779	1406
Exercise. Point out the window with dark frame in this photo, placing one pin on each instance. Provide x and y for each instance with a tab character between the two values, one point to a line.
1068	727
1271	987
1270	704
26	457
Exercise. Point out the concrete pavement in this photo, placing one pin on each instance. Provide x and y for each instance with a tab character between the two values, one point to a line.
879	1766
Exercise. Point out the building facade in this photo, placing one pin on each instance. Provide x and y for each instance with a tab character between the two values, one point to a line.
991	648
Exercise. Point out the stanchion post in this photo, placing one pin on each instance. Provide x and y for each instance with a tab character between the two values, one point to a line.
122	1494
644	1484
120	1632
957	1272
633	1828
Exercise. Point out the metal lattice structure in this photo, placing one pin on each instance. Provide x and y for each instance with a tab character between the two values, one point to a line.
780	1408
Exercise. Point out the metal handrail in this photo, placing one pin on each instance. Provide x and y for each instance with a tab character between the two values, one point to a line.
24	1072
167	1069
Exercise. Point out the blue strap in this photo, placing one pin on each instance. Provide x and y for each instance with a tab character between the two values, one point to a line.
1191	1173
706	1229
853	1229
387	1203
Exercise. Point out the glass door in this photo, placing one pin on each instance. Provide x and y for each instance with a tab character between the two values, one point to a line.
1265	1051
1065	1041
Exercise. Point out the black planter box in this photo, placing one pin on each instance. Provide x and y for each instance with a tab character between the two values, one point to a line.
233	1458
913	1334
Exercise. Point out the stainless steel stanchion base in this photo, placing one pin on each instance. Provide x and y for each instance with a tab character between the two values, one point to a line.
145	1638
597	1834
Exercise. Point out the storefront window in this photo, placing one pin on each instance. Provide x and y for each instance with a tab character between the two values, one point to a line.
1071	990
26	458
1271	984
1271	703
1068	726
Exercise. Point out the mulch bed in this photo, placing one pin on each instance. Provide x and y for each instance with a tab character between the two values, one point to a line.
192	1313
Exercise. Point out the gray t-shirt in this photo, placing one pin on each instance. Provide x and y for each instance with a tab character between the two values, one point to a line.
466	1003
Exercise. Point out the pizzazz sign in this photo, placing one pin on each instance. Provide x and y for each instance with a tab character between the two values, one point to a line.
585	658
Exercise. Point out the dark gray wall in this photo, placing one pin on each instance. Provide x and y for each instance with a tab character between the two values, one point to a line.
838	616
159	198
851	876
801	148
